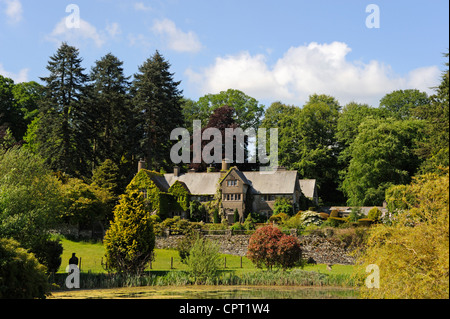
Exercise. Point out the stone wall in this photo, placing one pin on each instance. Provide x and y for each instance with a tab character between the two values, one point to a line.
317	249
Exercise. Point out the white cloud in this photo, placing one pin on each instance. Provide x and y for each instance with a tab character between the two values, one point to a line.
140	6
86	31
175	38
309	69
13	10
20	77
113	29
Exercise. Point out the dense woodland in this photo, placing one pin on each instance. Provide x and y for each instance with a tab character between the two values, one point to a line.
78	121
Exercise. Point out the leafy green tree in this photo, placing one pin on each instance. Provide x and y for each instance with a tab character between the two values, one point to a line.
248	111
10	115
412	252
317	148
436	148
21	275
402	103
157	102
86	205
30	202
204	260
285	118
64	130
382	155
130	240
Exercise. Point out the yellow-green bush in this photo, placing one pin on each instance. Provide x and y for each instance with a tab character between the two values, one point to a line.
412	253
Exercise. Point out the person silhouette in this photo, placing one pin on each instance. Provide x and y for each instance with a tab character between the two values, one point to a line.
73	260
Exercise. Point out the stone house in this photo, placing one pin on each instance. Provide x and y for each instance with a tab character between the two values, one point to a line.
242	191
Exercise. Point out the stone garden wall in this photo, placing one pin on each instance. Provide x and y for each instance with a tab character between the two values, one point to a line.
321	250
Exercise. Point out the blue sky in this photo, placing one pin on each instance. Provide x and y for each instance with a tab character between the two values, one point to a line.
271	50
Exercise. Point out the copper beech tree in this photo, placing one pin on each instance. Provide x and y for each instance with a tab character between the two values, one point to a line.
269	247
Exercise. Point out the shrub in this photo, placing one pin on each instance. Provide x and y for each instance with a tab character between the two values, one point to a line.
21	275
237	226
204	260
335	221
185	245
279	218
236	216
130	240
311	218
282	205
269	247
365	222
374	214
334	213
289	252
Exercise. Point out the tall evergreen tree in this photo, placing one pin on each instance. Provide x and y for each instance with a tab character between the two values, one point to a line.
157	100
64	131
110	100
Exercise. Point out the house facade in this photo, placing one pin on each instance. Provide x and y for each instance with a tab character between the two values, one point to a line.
239	191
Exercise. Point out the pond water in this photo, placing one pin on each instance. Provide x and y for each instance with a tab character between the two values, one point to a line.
211	292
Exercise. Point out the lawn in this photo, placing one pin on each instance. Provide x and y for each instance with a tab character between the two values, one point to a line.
91	255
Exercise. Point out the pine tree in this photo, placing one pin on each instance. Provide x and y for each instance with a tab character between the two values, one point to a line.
157	100
110	100
64	129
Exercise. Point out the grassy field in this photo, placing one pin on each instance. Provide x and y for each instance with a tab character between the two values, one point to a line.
91	257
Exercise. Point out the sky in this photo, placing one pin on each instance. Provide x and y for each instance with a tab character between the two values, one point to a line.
282	50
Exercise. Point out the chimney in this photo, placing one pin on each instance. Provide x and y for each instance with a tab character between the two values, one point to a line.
176	171
141	165
225	165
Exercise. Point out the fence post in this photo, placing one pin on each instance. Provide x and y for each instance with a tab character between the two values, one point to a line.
241	261
225	260
171	262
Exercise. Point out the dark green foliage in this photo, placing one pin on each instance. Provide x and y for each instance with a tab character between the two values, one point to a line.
64	130
21	275
283	205
106	176
113	124
156	99
216	216
236	217
49	254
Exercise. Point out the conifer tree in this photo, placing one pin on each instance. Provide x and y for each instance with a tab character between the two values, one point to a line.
157	100
64	131
110	100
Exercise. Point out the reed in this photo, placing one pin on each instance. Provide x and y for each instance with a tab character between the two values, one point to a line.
294	277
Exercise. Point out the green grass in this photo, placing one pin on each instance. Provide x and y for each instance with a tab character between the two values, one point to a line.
91	257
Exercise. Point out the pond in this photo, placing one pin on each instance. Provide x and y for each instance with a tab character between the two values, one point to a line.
211	292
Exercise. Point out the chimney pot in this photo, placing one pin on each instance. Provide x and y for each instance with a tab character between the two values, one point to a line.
141	165
176	171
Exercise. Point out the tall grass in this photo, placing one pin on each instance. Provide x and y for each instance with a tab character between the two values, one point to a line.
294	277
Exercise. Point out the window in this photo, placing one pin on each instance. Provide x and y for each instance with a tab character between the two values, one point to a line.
232	183
144	192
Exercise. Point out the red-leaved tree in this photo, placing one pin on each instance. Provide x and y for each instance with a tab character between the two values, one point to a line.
269	247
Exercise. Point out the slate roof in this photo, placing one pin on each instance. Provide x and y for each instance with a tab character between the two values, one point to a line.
197	183
280	182
308	186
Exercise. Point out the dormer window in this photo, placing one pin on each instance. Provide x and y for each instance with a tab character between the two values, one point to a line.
232	183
